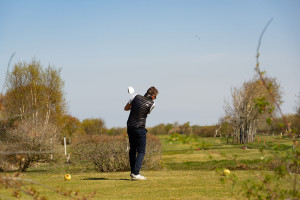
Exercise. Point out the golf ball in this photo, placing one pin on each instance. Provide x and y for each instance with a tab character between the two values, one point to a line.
226	172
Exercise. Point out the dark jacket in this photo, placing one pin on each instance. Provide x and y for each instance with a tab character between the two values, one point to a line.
140	108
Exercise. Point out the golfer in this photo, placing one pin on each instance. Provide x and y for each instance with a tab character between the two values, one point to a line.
139	106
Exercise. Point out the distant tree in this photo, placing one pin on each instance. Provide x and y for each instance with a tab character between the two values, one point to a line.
298	107
181	129
204	131
160	129
185	129
71	126
224	127
294	121
245	113
94	126
117	131
297	118
35	92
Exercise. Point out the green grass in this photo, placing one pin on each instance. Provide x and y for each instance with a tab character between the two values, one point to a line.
220	154
188	173
175	184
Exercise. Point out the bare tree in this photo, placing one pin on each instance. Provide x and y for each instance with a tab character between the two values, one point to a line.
243	112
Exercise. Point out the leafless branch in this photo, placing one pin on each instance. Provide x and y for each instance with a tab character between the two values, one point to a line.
264	81
7	71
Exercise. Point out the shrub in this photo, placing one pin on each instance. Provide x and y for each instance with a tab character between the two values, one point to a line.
152	158
29	142
110	153
203	145
182	138
107	153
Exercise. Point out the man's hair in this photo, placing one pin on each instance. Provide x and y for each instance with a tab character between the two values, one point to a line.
152	91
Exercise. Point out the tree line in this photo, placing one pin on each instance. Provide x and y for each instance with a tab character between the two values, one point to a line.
34	97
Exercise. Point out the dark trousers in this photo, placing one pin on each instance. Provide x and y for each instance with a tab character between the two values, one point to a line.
137	140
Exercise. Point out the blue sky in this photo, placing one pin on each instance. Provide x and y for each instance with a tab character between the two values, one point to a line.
194	52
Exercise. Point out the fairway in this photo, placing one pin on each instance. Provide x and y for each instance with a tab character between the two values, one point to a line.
177	184
188	174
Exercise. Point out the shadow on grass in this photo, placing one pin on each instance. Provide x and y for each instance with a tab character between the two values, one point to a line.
106	179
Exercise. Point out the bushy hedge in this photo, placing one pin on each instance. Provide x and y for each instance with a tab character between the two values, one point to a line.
111	153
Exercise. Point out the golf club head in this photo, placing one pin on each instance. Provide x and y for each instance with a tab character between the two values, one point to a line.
130	90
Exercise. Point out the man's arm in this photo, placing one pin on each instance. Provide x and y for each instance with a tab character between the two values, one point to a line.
151	108
127	107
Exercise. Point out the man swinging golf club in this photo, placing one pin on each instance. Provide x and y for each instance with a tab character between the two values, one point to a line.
139	106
